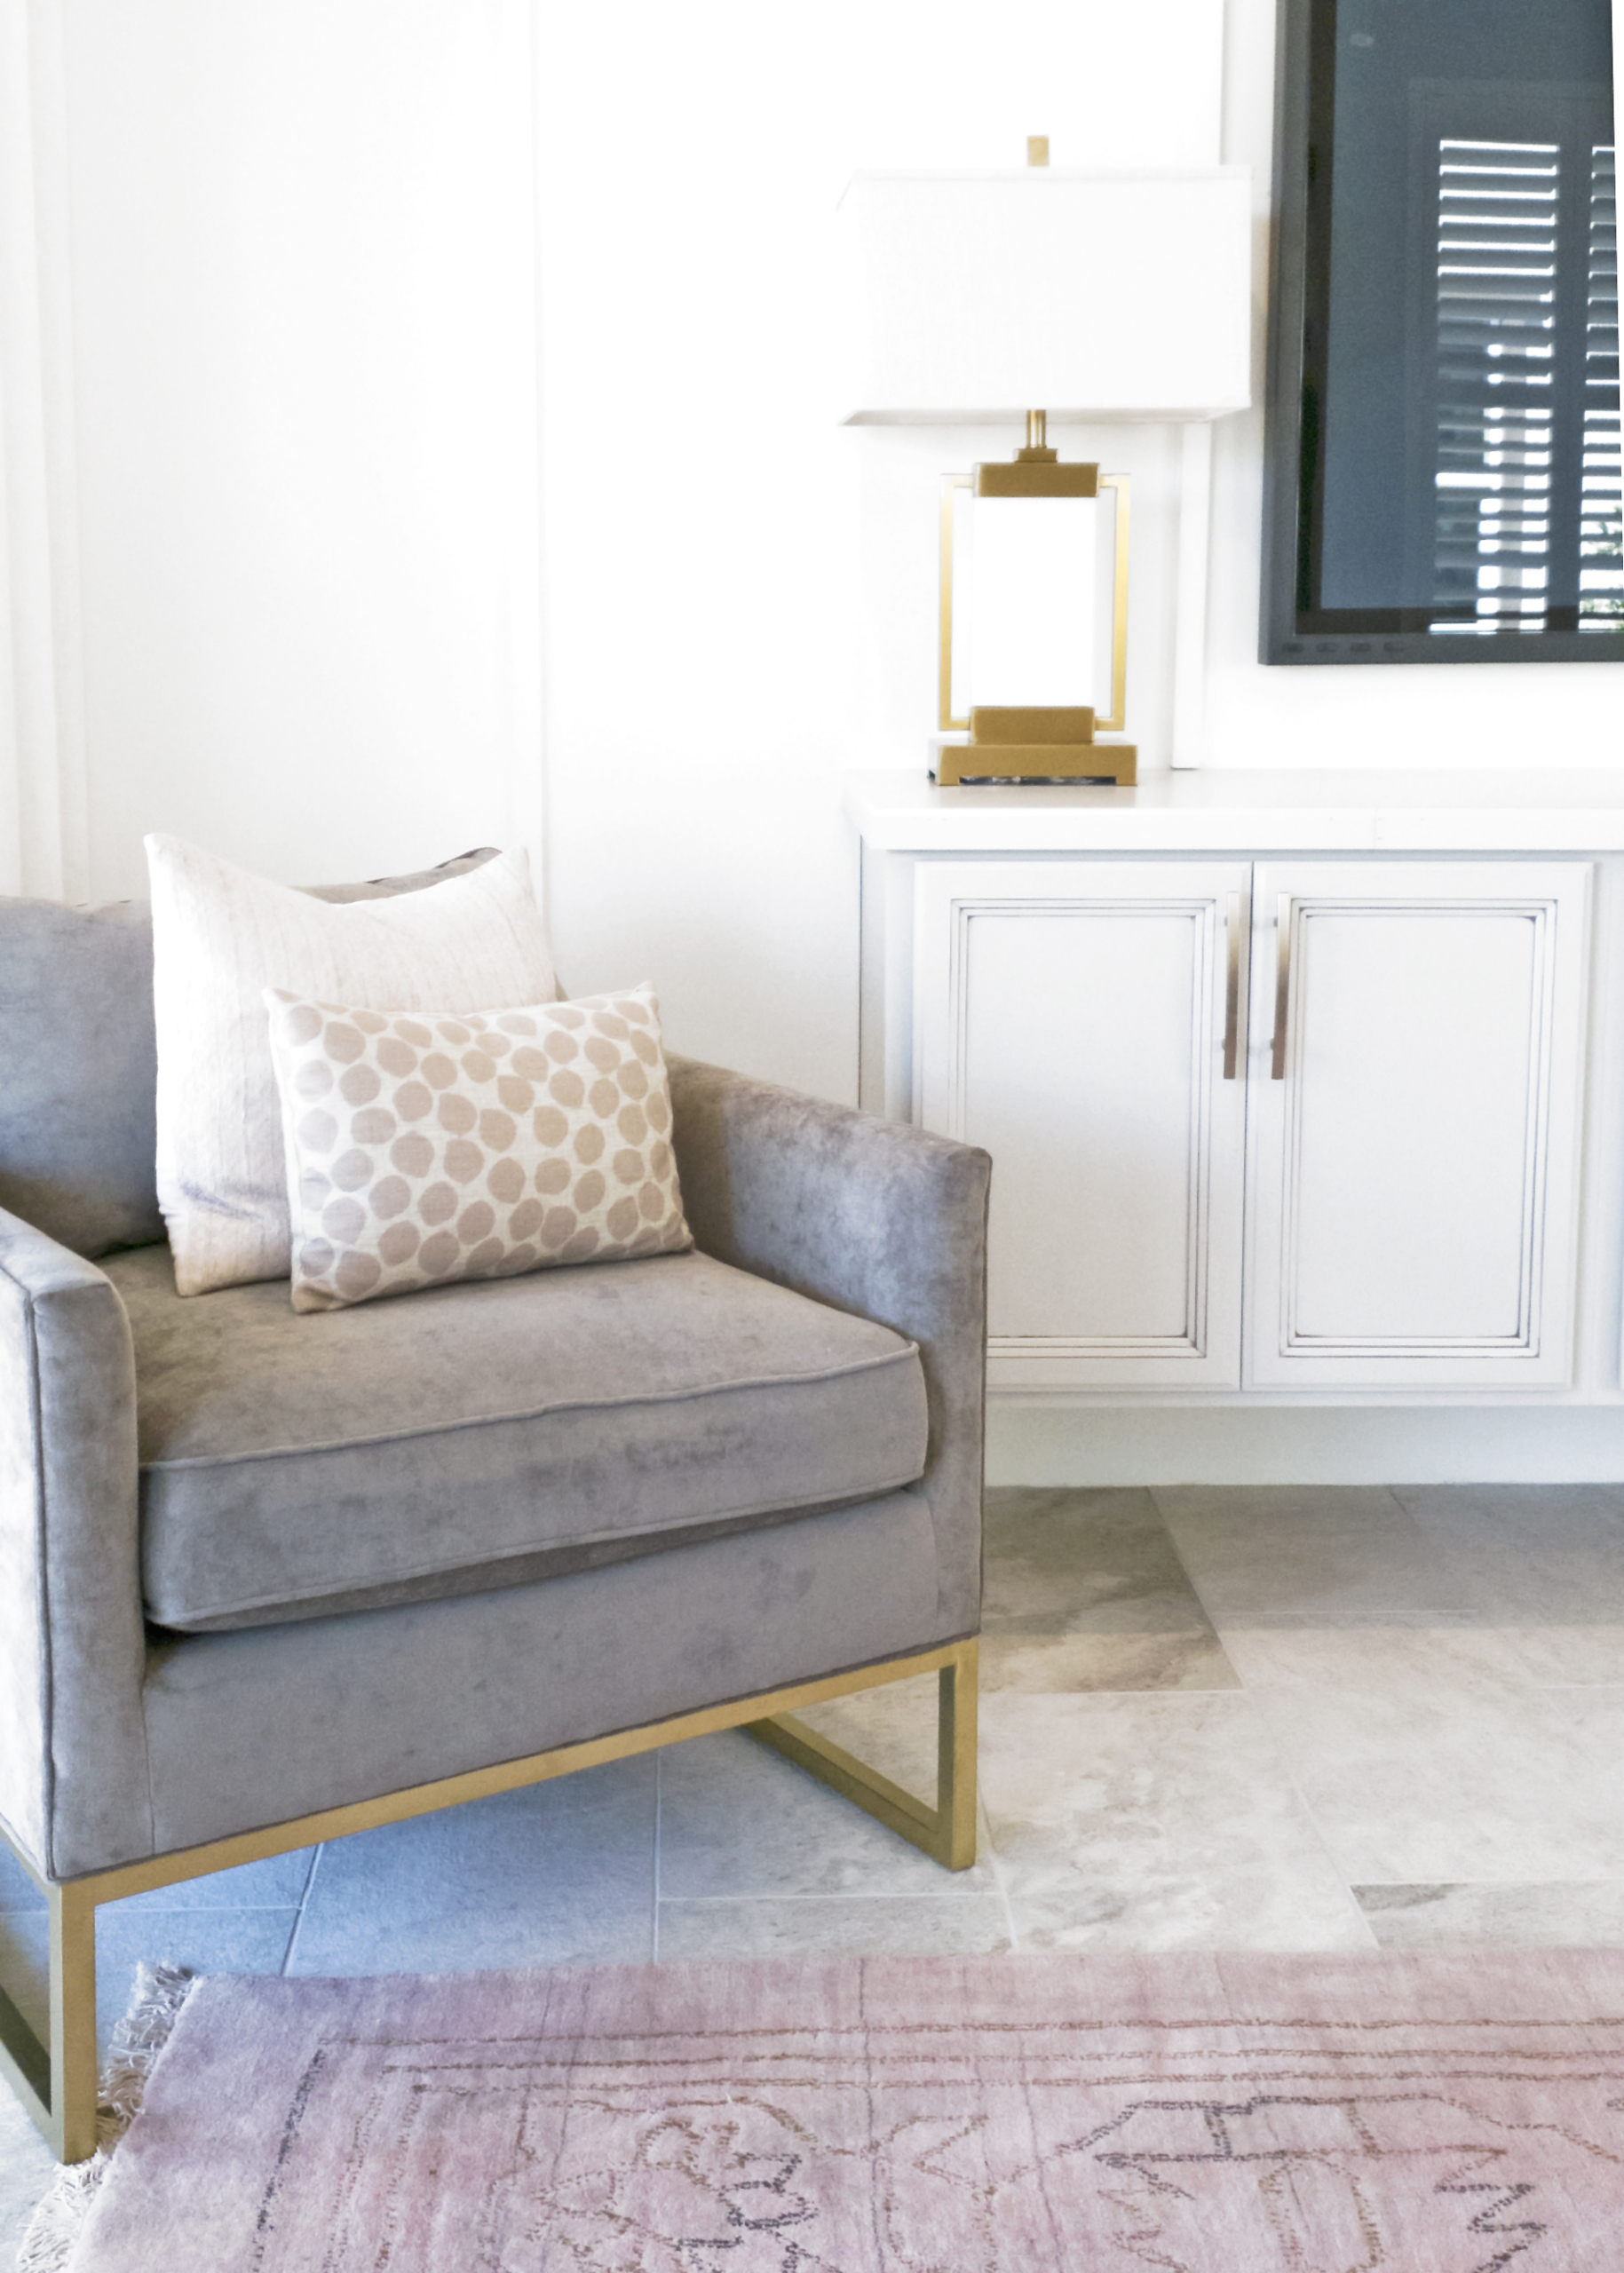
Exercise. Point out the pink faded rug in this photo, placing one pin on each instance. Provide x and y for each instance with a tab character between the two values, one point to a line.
1195	2114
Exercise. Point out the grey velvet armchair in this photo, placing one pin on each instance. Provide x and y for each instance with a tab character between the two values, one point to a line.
267	1579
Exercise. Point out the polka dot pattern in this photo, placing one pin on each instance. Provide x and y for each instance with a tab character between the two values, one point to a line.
471	1145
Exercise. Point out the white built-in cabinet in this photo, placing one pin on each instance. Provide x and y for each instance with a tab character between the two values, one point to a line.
1262	1124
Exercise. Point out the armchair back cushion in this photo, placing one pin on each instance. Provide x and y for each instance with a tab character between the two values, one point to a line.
78	1135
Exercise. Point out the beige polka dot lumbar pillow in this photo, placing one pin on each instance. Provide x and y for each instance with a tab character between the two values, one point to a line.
424	1146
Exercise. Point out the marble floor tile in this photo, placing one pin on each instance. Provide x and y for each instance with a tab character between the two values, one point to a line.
892	1730
1311	1554
18	1890
1561	1655
274	1884
1453	1662
26	2171
737	1820
1590	1915
1085	1591
539	1926
1536	1657
561	1874
1539	1555
1155	1823
24	1948
204	1941
1596	1716
1419	1785
836	1926
270	1885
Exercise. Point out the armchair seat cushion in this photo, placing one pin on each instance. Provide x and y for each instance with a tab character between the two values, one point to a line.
488	1433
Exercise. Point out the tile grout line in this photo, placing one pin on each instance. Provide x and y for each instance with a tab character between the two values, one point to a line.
995	1861
1283	1766
1312	1815
298	1914
1467	1620
1196	1596
863	1895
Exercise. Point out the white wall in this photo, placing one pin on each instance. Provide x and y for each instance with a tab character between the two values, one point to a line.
741	592
43	835
304	240
303	296
304	259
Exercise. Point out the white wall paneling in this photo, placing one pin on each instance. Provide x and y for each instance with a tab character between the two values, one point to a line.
1074	1022
43	840
1416	1077
1188	747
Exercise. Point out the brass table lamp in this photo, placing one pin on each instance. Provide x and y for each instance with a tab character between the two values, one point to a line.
1044	635
1119	295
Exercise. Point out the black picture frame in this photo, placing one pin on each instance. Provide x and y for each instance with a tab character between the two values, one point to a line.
1295	629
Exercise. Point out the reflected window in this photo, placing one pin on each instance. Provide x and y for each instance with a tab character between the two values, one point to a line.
1443	443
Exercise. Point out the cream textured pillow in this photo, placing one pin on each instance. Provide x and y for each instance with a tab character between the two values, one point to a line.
220	937
461	1146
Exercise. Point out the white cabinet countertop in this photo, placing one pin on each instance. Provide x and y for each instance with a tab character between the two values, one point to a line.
1485	810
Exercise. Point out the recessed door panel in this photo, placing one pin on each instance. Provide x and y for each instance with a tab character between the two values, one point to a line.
1416	1071
1071	1020
1079	1077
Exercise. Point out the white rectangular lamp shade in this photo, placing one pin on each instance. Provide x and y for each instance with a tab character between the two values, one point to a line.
1031	604
972	298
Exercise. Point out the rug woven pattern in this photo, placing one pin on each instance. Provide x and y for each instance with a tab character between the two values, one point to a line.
1200	2115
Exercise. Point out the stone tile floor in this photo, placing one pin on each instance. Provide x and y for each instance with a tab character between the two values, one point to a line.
1229	1718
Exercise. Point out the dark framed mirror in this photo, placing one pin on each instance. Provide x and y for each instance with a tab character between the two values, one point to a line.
1442	434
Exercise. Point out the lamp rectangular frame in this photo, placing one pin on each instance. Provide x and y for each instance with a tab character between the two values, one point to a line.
56	2078
1115	720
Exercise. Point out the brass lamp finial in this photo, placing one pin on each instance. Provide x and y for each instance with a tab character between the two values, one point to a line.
1037	451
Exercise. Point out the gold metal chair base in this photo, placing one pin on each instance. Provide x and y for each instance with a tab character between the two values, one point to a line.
946	1832
55	2080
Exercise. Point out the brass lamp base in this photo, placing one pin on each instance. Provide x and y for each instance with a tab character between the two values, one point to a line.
953	763
1032	745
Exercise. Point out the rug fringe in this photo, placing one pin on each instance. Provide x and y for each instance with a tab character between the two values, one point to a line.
59	2215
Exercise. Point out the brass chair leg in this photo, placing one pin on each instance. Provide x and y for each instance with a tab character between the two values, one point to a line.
947	1832
958	1701
57	2080
73	2022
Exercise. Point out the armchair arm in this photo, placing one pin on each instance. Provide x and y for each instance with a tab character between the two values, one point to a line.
873	1217
73	1748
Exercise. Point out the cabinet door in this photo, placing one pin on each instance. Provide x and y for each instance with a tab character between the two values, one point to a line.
1415	1073
1072	1018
